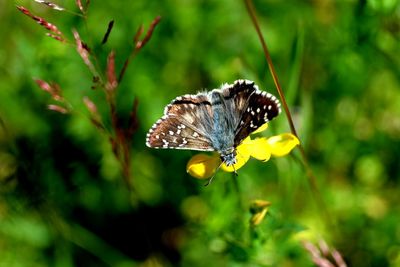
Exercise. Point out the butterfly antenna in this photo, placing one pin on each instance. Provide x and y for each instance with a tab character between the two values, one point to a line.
209	180
212	177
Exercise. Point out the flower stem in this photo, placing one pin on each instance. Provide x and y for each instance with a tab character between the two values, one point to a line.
309	172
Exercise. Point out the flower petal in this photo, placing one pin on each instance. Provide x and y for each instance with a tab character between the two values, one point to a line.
203	166
282	144
260	149
261	129
242	156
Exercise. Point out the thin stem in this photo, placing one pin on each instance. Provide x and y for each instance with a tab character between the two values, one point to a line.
126	63
97	65
138	44
251	11
74	13
236	187
309	172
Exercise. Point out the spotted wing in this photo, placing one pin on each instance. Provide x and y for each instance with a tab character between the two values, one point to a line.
256	108
186	124
236	97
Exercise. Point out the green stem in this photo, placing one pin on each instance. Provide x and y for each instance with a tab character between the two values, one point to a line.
310	174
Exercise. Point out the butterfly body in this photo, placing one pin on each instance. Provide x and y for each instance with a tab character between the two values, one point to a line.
222	137
218	120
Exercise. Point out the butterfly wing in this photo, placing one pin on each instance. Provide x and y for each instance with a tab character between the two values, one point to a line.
185	125
253	107
236	98
188	121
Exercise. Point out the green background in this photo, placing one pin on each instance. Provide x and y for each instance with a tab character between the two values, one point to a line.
63	198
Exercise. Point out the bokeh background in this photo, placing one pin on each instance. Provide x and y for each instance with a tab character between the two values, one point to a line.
64	201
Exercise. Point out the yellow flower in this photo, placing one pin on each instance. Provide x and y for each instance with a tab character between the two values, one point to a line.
203	166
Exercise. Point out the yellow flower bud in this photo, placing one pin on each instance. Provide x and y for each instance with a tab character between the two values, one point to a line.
259	209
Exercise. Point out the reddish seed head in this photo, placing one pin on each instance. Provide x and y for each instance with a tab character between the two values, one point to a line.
90	105
57	109
44	85
111	77
41	21
50	4
53	89
82	49
56	37
81	7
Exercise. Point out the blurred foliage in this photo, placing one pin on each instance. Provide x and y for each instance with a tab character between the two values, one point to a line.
64	202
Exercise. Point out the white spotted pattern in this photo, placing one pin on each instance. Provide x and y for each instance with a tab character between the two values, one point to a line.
189	122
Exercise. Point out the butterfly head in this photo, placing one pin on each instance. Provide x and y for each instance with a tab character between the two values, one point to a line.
228	156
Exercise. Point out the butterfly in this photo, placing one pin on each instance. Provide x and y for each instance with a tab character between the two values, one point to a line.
218	120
